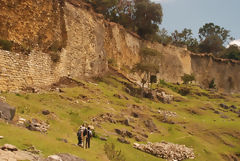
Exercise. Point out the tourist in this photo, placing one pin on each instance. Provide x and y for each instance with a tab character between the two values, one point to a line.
88	138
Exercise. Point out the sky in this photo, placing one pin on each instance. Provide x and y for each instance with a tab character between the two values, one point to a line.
193	14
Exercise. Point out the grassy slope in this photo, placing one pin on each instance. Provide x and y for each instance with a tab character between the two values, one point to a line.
206	132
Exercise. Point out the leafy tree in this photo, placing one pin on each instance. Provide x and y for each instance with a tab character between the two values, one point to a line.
185	38
212	38
212	44
163	37
141	16
209	29
148	16
233	52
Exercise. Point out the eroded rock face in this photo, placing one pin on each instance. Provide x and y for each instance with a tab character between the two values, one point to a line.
7	112
166	150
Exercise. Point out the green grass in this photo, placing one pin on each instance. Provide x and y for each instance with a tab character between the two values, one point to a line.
208	133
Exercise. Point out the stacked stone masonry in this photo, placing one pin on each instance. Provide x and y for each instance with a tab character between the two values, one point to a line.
91	43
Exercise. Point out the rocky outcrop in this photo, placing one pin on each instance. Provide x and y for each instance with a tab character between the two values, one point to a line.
169	151
62	157
7	112
11	153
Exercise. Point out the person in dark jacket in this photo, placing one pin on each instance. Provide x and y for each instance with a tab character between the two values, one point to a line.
88	138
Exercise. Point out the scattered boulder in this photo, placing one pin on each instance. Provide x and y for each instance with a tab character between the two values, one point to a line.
224	116
223	106
165	98
125	122
164	119
216	112
106	117
140	138
2	99
45	112
103	138
63	140
32	150
9	147
37	125
166	150
124	133
1	137
21	121
158	95
7	112
123	140
121	96
233	107
135	114
150	125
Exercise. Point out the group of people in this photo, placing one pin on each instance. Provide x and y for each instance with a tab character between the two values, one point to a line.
84	136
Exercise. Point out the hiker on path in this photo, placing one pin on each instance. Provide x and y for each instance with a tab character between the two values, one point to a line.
79	135
81	138
88	138
84	136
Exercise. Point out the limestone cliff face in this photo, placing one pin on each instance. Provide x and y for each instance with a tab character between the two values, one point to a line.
89	43
225	72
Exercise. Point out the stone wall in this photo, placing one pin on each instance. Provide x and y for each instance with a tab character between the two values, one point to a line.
90	43
18	71
32	24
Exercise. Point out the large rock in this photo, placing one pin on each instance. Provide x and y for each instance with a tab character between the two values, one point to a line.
63	157
9	147
7	112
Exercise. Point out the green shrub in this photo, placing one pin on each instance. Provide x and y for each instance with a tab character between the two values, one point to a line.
145	51
183	91
188	78
212	84
6	45
112	154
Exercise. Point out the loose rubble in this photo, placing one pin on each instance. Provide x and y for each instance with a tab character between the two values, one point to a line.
170	151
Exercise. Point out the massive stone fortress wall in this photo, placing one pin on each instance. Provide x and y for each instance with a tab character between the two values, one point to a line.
18	71
90	42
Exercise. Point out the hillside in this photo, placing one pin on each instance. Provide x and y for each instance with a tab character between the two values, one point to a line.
67	38
63	65
200	121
